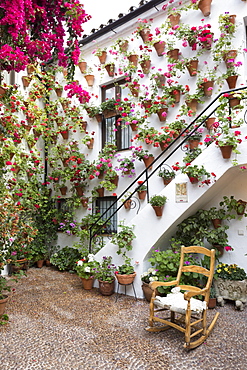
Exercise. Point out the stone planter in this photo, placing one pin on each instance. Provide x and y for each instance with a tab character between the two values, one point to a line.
234	290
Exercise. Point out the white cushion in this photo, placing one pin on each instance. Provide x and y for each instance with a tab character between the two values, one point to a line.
175	302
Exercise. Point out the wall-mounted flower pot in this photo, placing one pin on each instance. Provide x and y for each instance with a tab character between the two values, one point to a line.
192	67
30	69
192	104
2	91
173	54
90	80
123	46
98	117
193	180
101	192
162	114
59	92
163	146
102	57
84	202
90	143
65	105
127	204
63	190
134	89
148	161
241	207
174	19
142	194
193	144
160	48
115	180
65	162
175	95
146	65
144	33
219	248
216	222
158	210
167	181
65	134
82	66
229	58
234	102
160	80
205	7
79	190
210	122
83	125
147	104
26	81
208	88
133	59
134	126
110	68
107	113
231	81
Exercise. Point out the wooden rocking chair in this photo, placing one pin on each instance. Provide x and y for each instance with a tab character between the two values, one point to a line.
192	312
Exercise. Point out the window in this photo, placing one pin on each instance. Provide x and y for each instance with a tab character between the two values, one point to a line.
103	204
111	131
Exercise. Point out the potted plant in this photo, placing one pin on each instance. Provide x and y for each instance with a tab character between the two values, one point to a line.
191	155
86	268
141	190
146	278
109	107
230	282
167	175
196	173
194	138
127	166
105	275
158	202
123	239
125	273
212	298
143	154
228	142
232	204
218	238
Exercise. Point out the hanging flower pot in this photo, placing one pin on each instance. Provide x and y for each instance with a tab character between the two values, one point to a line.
134	126
142	194
65	105
193	144
115	180
159	47
145	65
205	7
102	57
231	81
210	122
26	81
175	95
123	46
2	91
144	33
158	210
82	66
134	88
90	143
127	204
101	191
226	151
108	113
241	205
208	87
160	80
233	102
216	222
90	80
65	134
167	181
148	161
98	117
174	19
193	180
163	145
59	92
84	202
192	104
65	162
147	104
173	54
30	69
192	67
133	59
229	58
63	190
79	190
83	125
110	69
162	114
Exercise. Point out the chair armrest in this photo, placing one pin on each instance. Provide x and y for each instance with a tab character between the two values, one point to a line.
189	294
154	284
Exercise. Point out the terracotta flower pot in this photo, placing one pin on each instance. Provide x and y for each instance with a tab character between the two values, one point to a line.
106	287
82	66
125	279
208	87
167	181
79	190
174	19
192	104
90	80
216	222
133	59
160	81
123	46
226	151
59	92
209	123
142	194
193	180
192	67
65	134
134	88
127	204
212	302
63	190
173	54
101	191
102	57
40	263
144	33
110	68
3	303
193	144
147	291
158	210
87	283
148	161
115	180
84	202
205	7
90	144
26	81
134	126
231	81
146	65
229	58
159	47
161	115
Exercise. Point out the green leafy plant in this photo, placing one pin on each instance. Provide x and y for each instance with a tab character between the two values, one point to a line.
65	259
126	268
158	200
166	174
86	267
229	272
106	269
124	238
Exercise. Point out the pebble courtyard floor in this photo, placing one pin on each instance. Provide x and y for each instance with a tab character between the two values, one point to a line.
56	325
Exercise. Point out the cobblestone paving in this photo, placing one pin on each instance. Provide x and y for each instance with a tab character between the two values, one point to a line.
56	325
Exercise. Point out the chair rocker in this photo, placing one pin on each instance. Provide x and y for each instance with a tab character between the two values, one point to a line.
187	314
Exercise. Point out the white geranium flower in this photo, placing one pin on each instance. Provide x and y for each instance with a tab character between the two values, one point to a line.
87	269
79	263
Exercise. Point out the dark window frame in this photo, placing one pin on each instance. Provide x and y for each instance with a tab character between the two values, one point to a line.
111	229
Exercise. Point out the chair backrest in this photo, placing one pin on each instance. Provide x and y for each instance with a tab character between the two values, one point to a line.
208	273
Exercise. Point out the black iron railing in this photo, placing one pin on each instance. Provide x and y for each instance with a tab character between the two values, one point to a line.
173	147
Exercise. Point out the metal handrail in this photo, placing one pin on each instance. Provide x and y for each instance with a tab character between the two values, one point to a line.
145	172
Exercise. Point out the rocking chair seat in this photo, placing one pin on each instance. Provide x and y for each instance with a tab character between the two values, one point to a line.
175	302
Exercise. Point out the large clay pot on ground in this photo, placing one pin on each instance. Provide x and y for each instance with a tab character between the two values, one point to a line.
40	263
147	291
106	287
